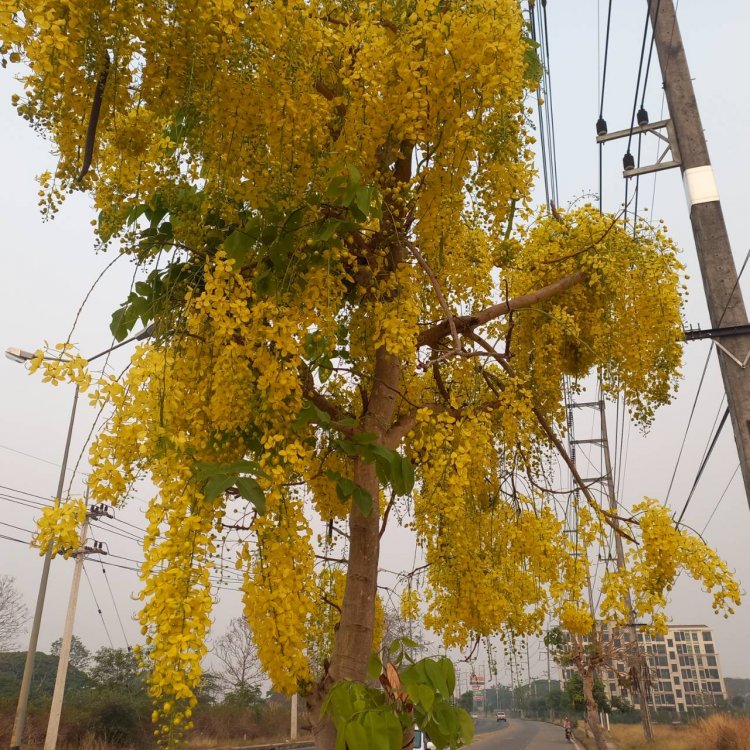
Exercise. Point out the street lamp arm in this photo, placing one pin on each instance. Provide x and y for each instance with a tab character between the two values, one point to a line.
140	336
21	355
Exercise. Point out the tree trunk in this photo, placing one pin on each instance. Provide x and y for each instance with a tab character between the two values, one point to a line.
592	711
353	642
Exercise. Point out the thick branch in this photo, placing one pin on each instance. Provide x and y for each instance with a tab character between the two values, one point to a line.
466	323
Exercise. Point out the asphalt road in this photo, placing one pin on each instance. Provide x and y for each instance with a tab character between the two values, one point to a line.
523	735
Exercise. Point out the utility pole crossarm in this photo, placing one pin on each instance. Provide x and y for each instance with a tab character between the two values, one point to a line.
654	128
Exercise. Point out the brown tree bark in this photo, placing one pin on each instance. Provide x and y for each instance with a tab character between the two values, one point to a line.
353	642
592	711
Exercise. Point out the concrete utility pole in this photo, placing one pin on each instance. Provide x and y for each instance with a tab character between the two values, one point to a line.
28	670
725	304
53	726
293	727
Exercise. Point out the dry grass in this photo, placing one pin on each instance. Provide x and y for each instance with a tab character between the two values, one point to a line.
719	732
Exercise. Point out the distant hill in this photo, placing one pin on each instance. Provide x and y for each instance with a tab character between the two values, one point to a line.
45	669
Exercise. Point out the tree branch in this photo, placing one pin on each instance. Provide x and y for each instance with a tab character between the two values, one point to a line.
96	107
336	413
466	323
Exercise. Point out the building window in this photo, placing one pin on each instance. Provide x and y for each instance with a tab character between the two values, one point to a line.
678	693
707	635
709	648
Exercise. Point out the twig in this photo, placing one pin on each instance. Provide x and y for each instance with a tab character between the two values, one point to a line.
438	293
609	518
386	513
96	107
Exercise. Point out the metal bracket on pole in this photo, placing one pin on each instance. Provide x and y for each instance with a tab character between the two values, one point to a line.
694	334
655	128
742	363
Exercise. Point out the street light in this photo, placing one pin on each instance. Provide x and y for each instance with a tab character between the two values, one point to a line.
20	355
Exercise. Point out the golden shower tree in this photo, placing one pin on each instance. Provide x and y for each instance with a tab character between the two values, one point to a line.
359	321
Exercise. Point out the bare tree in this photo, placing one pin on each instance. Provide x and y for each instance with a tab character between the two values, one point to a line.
13	613
239	657
80	656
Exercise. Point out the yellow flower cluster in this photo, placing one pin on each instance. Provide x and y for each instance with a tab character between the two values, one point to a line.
278	592
61	365
59	528
664	552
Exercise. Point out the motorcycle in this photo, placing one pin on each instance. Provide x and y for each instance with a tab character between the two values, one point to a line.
568	734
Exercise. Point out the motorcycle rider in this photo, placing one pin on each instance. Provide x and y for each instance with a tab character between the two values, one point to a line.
567	727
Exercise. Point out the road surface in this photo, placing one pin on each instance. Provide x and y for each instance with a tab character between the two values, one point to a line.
523	735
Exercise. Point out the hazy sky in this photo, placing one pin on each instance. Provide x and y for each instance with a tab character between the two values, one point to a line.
48	268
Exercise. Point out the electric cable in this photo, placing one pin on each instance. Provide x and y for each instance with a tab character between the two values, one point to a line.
640	71
718	502
650	51
98	608
549	105
39	458
601	100
703	465
117	613
606	56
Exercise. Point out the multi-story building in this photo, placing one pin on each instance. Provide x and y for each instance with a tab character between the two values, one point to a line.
685	669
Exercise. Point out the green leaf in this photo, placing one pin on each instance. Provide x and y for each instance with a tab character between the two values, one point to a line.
355	176
403	476
216	485
356	737
346	447
465	726
328	229
344	488
449	672
374	666
123	320
364	438
376	725
426	696
312	414
363	500
203	470
237	246
325	369
436	677
251	490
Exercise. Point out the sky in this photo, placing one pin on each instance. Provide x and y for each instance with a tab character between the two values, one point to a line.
50	268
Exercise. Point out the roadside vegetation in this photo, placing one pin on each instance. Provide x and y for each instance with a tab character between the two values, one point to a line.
717	732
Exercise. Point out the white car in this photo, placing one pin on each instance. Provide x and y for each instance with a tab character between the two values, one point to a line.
422	741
